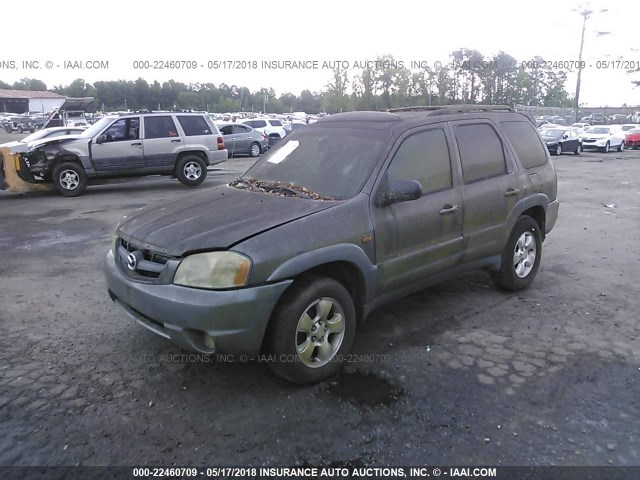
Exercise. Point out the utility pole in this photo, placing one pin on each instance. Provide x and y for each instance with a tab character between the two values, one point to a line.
585	12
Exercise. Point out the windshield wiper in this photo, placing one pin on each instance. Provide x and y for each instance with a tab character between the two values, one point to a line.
278	188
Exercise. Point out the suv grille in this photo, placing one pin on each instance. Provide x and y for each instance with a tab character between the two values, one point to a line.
139	261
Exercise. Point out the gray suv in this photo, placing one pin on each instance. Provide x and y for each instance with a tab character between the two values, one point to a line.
181	144
354	211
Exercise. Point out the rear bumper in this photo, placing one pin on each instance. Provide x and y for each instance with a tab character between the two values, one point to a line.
217	156
551	215
235	320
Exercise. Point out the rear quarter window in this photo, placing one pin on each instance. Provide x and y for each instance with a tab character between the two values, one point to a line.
194	125
526	143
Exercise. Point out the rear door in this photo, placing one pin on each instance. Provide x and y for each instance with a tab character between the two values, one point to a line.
122	149
243	140
229	138
492	186
161	142
419	238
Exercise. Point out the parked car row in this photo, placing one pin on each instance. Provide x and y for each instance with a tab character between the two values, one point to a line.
581	136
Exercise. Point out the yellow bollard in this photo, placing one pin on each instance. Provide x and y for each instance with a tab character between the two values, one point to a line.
16	184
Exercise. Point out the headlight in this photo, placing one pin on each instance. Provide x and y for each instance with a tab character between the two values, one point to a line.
213	270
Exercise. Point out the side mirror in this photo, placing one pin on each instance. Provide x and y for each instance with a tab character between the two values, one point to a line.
400	191
565	136
101	138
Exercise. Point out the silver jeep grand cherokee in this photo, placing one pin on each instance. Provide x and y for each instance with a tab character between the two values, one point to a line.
339	218
167	143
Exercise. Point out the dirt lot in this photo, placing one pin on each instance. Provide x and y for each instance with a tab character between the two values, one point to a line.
461	373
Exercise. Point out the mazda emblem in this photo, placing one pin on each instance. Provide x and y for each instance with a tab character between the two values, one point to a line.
132	261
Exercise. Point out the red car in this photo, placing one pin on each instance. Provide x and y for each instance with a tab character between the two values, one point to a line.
632	138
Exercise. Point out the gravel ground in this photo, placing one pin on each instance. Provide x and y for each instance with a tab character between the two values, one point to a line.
460	373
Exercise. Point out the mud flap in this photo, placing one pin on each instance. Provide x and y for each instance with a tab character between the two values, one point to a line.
9	176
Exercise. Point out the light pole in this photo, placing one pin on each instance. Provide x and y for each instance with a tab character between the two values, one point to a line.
585	12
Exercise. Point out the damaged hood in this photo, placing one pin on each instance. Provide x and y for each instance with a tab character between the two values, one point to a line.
213	220
48	141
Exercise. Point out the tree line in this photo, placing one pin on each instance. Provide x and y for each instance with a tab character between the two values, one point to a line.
467	77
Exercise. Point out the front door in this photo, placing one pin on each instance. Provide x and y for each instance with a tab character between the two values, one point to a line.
121	150
416	239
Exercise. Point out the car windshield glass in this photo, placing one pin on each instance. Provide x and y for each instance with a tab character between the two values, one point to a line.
330	162
634	131
598	130
551	133
96	127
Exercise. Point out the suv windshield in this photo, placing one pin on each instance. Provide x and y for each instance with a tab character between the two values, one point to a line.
93	130
598	130
329	162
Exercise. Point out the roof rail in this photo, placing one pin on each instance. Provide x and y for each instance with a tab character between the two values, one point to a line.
448	109
133	112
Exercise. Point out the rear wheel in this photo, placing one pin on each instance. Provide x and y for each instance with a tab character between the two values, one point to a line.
311	330
621	147
191	170
521	256
255	149
70	179
559	149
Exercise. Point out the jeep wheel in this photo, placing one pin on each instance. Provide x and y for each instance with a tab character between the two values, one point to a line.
70	179
578	150
191	170
311	330
559	149
255	149
621	147
521	256
8	129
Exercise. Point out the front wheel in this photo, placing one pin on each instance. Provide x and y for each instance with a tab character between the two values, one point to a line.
606	147
521	256
191	170
311	330
559	149
70	179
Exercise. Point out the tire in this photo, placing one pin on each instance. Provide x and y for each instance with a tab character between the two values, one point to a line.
322	301
191	170
8	129
578	150
559	149
621	146
70	179
607	147
20	130
255	149
517	270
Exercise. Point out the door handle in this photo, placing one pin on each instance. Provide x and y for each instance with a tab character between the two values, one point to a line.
176	140
449	209
136	144
511	192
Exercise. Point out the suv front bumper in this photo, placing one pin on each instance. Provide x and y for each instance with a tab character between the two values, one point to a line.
234	320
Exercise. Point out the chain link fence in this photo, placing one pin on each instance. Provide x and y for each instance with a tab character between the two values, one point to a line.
559	115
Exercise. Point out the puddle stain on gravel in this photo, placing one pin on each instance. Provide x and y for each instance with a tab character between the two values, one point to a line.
365	389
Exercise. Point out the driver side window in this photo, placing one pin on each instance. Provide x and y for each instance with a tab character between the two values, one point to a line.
424	157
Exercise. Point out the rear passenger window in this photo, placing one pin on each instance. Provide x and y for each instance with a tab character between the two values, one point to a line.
526	143
159	127
481	152
275	123
423	157
194	125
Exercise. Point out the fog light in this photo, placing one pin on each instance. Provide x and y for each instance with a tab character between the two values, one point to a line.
208	342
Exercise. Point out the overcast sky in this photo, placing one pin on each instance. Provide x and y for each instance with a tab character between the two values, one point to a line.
121	32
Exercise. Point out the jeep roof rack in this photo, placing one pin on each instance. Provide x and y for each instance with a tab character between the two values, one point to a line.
143	111
448	109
